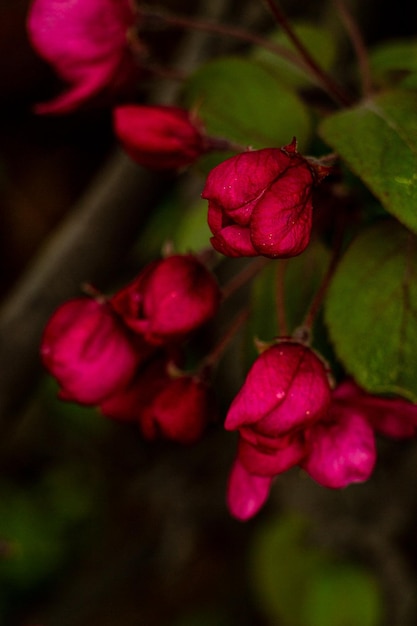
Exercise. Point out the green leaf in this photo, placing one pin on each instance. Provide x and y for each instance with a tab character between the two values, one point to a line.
298	584
395	63
319	42
342	594
371	310
281	567
239	100
192	233
378	141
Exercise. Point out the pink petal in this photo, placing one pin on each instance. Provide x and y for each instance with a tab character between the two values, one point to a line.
246	493
281	221
265	461
286	388
85	41
342	451
389	416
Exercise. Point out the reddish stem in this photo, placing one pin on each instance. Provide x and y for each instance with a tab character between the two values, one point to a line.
359	46
244	276
215	355
223	30
326	81
280	297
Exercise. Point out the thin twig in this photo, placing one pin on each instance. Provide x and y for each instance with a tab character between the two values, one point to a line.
359	46
325	80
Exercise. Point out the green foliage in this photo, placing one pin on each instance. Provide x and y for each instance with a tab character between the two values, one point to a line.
394	63
378	141
297	584
240	101
371	309
319	42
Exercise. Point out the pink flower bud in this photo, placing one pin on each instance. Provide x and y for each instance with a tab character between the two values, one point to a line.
260	203
342	450
246	492
170	299
85	41
180	411
158	137
88	350
389	416
287	388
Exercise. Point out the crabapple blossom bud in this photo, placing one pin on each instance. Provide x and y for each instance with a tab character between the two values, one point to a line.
390	416
159	137
259	202
180	411
88	350
287	388
246	492
169	299
342	450
85	41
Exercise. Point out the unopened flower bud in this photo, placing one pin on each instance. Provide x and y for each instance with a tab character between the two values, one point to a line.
341	450
159	137
85	41
260	203
88	350
180	411
169	299
286	388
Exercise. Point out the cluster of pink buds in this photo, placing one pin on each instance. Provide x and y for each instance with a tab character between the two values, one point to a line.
124	354
287	415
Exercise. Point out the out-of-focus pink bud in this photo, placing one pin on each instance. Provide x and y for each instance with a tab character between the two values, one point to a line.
180	411
246	492
342	450
85	41
287	388
159	137
88	350
170	299
389	416
289	451
260	203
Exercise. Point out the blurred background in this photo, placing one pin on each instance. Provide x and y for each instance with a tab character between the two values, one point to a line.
96	525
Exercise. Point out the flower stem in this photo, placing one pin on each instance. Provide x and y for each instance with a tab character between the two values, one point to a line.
223	30
326	81
216	353
359	46
244	276
280	298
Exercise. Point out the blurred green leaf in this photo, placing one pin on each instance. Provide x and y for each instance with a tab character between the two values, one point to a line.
281	569
342	594
378	141
239	100
394	63
298	584
192	233
371	309
320	43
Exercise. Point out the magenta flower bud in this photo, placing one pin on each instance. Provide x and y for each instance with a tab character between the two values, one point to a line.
286	389
342	450
85	41
159	137
246	492
389	416
180	411
169	299
260	203
87	349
